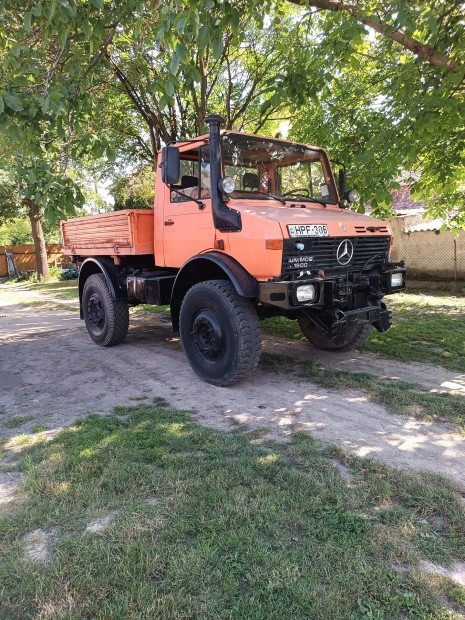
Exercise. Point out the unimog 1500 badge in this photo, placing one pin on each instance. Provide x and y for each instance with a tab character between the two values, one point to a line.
299	262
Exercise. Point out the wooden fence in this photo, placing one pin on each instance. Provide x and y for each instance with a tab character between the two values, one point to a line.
25	258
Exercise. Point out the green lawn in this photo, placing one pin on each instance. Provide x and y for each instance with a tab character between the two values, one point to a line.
198	524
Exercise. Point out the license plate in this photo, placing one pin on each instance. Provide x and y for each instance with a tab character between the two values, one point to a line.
308	230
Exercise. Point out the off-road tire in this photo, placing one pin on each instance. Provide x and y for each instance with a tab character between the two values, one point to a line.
106	319
355	336
220	332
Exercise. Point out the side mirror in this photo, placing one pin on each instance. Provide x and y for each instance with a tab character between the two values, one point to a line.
342	183
170	165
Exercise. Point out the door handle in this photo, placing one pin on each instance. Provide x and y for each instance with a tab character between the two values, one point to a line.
168	222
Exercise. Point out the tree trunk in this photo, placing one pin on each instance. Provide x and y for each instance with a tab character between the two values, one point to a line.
35	215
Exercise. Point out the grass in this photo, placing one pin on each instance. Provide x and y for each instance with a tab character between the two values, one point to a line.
38	428
66	290
49	296
18	420
153	309
206	525
397	396
426	328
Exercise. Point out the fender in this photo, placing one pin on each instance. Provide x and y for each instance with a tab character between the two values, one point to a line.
110	271
210	266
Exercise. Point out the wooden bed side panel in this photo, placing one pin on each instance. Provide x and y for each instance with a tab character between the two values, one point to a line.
127	232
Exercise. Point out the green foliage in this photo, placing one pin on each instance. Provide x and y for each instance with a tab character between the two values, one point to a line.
112	82
136	191
380	109
16	231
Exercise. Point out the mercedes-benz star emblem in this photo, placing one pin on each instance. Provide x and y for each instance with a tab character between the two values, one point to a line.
345	251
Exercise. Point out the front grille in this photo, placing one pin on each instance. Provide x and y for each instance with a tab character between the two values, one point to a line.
321	253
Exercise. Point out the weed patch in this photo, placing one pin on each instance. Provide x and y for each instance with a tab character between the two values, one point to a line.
275	532
18	420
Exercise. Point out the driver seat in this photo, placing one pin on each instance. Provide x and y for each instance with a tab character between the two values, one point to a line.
250	180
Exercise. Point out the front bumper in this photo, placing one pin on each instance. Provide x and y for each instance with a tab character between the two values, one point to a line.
332	289
341	300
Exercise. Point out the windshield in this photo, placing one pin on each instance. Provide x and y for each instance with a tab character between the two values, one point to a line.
264	167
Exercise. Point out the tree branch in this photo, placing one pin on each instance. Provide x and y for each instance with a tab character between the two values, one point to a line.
425	52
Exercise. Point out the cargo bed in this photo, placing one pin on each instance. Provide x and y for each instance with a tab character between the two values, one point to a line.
119	233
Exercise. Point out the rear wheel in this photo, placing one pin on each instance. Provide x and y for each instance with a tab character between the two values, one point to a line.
355	336
220	332
106	319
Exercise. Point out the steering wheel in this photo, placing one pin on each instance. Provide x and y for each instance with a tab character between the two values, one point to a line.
297	192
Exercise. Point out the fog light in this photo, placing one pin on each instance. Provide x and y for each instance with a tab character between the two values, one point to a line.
307	292
397	279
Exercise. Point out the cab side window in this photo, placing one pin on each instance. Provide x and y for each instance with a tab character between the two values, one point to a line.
194	181
189	177
205	180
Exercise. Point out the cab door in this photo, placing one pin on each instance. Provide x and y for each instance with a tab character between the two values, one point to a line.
188	226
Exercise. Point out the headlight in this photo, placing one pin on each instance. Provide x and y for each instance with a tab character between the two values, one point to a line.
307	292
226	185
353	195
397	279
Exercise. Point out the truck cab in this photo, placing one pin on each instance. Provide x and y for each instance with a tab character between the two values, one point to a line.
244	227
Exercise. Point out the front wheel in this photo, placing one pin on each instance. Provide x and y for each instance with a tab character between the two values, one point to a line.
106	319
355	336
220	332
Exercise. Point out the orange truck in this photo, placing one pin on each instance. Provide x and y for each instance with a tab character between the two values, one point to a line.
244	227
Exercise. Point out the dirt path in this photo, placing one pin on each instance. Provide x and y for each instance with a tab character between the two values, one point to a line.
50	369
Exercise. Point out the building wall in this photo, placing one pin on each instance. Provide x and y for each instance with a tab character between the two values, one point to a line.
25	259
428	254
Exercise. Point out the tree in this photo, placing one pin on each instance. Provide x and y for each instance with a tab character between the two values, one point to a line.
433	32
49	51
173	88
380	107
393	99
134	192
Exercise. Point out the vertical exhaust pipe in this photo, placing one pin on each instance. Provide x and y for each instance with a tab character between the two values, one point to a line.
224	218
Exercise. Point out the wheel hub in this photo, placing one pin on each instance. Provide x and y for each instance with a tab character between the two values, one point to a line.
95	311
207	335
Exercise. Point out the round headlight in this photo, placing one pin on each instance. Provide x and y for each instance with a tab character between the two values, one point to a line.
353	195
226	185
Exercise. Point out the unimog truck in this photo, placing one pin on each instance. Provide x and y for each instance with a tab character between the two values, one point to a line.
243	227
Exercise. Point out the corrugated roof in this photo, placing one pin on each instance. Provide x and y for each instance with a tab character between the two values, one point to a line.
425	225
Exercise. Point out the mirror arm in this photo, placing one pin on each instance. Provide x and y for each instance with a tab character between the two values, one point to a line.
196	200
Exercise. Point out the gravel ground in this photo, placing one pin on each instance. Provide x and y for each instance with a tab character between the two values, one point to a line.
52	371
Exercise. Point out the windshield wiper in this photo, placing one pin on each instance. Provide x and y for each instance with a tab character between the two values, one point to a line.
320	202
257	191
311	199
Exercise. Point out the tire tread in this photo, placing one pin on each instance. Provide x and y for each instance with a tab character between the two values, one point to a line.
249	328
118	317
320	341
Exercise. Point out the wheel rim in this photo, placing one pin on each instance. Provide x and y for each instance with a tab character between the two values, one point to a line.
96	312
208	336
